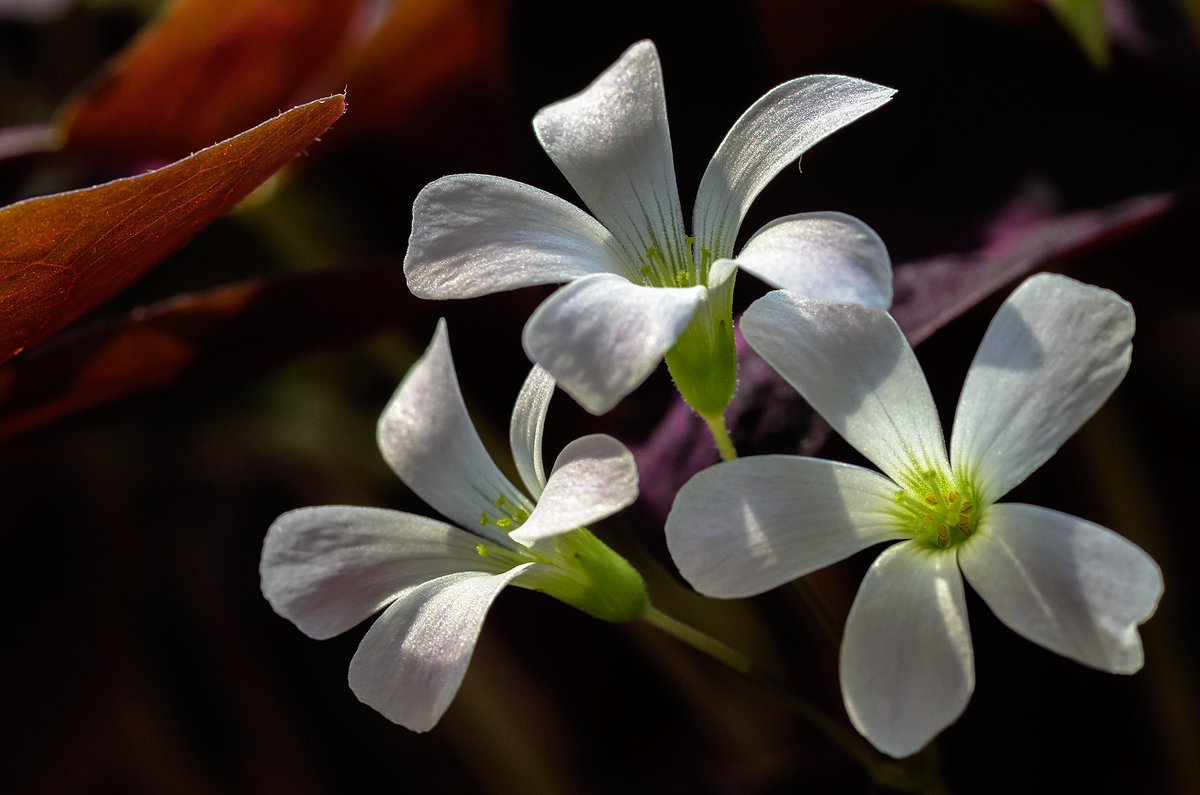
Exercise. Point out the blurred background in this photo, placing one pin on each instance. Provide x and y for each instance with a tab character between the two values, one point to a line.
140	654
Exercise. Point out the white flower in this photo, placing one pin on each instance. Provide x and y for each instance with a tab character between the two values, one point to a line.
328	568
1053	354
603	333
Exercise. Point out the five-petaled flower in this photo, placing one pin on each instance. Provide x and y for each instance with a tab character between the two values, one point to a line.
328	568
1053	354
605	331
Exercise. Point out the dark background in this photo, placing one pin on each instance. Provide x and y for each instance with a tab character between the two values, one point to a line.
141	657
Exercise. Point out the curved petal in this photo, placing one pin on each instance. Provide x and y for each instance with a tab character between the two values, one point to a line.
612	143
777	129
327	568
745	526
907	666
601	336
1053	354
475	234
411	662
830	256
593	478
525	429
427	437
853	365
1074	587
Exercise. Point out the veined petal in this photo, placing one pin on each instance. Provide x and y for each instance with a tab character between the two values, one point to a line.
776	130
853	365
745	526
427	437
411	662
907	666
593	478
601	336
612	143
525	429
1052	355
475	234
1074	587
327	568
830	256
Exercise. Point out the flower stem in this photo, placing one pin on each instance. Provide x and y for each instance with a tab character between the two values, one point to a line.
914	774
716	426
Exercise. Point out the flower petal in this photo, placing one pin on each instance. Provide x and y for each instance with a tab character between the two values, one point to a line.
777	129
745	526
525	429
593	478
612	143
1053	354
907	666
475	234
427	437
853	365
327	568
1074	587
411	662
601	336
830	256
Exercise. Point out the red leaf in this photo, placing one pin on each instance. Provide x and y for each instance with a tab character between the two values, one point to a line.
203	71
235	331
63	255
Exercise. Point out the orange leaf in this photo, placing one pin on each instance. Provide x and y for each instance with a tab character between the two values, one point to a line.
63	255
203	71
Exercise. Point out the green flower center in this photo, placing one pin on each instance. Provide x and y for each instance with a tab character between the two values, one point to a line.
508	516
941	515
658	271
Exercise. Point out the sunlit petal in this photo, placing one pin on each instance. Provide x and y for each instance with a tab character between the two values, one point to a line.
413	659
475	234
593	478
830	256
775	131
612	143
907	666
601	336
1076	588
525	428
1053	354
743	527
853	365
427	437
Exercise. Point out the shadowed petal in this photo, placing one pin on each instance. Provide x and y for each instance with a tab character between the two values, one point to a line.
475	234
1053	354
907	667
854	367
525	429
1074	587
612	143
775	131
593	478
745	526
427	437
830	256
601	336
413	659
327	568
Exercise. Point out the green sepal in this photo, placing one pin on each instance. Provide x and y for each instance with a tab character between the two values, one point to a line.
703	361
582	571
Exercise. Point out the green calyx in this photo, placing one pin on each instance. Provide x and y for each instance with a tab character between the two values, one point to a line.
703	361
582	571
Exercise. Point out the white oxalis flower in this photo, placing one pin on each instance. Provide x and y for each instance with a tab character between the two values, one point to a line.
1053	354
602	334
328	568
